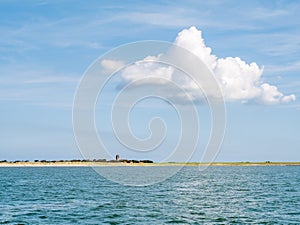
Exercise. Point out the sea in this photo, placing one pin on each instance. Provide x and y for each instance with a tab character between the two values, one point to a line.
218	195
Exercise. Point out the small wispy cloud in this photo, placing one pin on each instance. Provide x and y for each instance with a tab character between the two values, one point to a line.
111	65
266	13
30	75
38	87
52	79
290	67
160	19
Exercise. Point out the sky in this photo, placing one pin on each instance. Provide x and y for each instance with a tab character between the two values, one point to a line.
253	48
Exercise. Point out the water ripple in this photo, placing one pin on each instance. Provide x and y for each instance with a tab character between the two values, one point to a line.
220	195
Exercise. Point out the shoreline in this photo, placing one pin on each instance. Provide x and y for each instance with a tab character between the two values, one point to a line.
108	164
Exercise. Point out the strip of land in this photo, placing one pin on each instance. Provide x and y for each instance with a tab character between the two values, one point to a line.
88	164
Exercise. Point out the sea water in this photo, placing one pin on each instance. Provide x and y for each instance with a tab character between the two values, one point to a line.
219	195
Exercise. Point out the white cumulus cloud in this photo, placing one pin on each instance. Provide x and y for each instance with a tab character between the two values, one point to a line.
238	80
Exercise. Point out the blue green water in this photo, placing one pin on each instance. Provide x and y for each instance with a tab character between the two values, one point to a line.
220	195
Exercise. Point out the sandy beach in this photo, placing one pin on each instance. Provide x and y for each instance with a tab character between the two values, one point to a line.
87	164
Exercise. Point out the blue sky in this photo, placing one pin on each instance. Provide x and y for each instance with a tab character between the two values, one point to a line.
46	46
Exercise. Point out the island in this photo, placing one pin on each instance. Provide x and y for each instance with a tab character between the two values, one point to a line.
131	162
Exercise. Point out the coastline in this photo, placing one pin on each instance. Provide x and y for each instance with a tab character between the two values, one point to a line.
108	164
